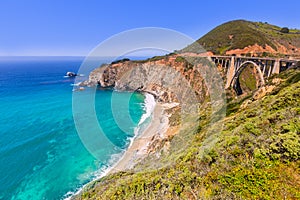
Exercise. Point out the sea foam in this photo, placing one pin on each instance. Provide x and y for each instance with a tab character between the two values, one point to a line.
149	105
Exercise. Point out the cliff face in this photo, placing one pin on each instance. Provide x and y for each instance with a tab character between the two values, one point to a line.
169	79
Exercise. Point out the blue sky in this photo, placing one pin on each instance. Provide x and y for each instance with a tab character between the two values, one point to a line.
70	27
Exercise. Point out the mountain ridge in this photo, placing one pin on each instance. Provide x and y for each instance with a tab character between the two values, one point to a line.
241	37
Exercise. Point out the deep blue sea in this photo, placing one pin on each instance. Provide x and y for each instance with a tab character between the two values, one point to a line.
41	154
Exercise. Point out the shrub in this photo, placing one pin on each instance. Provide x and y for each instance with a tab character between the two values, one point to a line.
180	59
285	30
119	61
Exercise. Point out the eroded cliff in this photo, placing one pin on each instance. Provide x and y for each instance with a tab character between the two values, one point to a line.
170	79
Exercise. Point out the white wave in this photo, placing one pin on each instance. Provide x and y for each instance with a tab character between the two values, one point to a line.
80	75
149	105
75	84
103	171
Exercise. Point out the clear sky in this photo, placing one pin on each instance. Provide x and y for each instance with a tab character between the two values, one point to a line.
71	27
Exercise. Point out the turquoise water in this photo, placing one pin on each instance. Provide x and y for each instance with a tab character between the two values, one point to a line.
41	154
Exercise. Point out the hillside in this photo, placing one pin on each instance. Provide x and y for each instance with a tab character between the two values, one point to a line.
256	153
256	156
252	38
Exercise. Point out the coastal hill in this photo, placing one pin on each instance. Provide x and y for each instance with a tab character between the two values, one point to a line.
255	149
257	155
242	37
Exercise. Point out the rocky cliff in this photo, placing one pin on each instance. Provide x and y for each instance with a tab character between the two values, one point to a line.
168	78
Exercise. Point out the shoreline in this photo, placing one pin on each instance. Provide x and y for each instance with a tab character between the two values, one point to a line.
141	144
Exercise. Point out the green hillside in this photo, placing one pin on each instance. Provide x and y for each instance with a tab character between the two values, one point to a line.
257	155
240	34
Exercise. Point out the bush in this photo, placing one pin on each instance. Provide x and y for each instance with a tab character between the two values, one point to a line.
180	59
285	30
120	61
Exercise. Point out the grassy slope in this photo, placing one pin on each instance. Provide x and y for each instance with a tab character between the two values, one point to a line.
273	33
248	80
256	157
245	33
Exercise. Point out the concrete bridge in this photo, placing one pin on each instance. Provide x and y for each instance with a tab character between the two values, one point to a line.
265	67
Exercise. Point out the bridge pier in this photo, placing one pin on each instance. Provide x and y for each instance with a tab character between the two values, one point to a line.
230	72
269	72
264	69
276	68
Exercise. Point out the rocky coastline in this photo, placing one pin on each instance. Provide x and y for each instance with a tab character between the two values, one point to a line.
169	80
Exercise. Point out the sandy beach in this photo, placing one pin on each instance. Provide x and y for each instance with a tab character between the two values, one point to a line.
140	146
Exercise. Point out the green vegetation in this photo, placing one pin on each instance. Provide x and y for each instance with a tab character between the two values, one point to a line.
155	58
180	59
256	156
239	34
247	80
233	35
285	30
120	61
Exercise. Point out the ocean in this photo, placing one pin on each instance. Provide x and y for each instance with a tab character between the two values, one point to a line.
41	154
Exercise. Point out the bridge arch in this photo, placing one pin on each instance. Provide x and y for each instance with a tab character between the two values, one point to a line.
235	82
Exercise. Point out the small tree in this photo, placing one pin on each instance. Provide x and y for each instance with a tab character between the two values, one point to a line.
285	30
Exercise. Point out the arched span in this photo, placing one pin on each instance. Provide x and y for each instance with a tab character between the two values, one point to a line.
241	68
